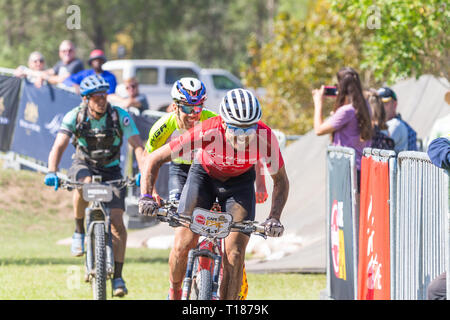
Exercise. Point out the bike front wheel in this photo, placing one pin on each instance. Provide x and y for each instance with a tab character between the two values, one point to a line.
99	278
204	285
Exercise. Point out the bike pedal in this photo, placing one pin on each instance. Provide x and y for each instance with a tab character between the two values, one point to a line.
90	275
109	274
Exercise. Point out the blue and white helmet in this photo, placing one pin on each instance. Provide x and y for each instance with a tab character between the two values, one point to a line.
240	107
93	84
189	91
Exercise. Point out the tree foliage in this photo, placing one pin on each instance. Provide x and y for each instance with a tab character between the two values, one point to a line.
302	55
286	46
211	33
405	38
383	40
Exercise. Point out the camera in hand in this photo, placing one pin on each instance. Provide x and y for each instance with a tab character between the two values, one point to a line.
330	91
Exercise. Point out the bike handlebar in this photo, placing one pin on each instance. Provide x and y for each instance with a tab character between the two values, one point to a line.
167	213
118	183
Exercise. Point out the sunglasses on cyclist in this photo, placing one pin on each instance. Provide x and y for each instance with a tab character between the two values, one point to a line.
236	131
189	109
98	94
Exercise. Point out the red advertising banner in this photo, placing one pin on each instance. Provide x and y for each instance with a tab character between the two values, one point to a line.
374	250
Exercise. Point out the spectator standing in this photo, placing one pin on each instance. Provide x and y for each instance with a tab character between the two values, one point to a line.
96	60
441	127
350	124
36	64
65	67
133	98
380	139
397	127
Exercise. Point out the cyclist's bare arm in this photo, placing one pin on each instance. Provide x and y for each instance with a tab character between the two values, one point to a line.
59	146
137	144
280	192
260	182
152	163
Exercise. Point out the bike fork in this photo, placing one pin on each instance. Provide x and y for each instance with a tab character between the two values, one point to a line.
187	282
89	245
109	246
89	251
216	275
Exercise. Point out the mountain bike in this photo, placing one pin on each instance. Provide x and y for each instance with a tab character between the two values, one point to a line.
204	267
99	251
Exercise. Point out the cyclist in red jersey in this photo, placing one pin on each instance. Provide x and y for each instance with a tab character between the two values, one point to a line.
227	147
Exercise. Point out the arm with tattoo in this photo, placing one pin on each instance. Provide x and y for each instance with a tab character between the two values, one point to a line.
280	193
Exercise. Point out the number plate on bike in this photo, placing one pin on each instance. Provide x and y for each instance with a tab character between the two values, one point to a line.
211	224
97	192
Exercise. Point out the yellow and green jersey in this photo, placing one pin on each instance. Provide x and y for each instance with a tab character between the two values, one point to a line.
166	127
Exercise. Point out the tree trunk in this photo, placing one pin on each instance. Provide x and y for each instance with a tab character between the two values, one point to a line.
98	37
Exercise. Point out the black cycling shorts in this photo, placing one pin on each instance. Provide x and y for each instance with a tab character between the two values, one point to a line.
80	170
178	174
236	195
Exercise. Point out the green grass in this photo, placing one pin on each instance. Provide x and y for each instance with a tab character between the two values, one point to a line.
32	266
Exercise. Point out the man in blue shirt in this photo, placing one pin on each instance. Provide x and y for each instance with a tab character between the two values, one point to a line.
439	153
96	60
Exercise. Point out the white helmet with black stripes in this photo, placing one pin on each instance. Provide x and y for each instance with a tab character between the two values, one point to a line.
240	107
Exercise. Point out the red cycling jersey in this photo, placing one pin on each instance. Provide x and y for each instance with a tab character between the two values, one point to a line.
217	156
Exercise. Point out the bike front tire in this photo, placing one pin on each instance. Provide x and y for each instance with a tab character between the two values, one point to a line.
204	284
99	279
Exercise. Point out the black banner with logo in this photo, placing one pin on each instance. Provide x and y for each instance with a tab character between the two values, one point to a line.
39	117
9	100
341	255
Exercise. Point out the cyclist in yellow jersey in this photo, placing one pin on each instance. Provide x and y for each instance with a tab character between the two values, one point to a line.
188	96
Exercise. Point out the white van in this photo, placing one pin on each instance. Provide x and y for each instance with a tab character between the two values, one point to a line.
218	82
156	78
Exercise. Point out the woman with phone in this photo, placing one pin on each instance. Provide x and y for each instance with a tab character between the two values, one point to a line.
350	124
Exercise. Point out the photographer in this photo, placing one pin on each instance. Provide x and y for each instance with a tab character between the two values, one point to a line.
350	124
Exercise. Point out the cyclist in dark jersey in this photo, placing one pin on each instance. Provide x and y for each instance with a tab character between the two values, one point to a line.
227	148
98	130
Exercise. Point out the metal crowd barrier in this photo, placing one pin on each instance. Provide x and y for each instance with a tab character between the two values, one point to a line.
419	233
421	241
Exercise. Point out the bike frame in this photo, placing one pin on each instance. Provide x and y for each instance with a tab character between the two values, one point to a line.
98	213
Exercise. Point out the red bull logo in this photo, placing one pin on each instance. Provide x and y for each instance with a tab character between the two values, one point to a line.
337	240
